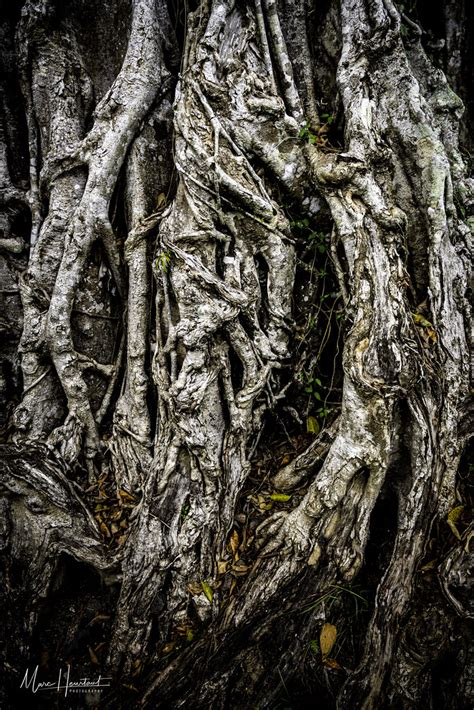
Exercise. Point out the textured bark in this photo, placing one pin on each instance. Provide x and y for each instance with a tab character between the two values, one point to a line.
181	192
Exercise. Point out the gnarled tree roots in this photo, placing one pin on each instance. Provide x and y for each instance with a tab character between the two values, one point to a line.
159	329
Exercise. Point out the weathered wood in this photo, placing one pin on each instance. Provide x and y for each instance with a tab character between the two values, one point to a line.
159	327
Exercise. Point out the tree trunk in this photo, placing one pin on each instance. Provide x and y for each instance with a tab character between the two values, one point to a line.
235	374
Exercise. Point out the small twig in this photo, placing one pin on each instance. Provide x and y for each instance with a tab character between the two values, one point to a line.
105	316
37	381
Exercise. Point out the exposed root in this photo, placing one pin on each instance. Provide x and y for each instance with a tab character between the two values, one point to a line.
128	100
294	473
51	516
224	266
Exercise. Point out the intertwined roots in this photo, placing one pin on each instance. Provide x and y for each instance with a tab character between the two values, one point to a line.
187	365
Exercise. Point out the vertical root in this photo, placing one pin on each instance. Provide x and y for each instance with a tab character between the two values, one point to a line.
130	99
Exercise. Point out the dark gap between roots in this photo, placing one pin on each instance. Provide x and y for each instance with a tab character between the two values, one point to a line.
262	270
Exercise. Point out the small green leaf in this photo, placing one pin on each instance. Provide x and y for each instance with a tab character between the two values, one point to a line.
280	497
421	320
452	519
161	200
164	261
312	425
207	589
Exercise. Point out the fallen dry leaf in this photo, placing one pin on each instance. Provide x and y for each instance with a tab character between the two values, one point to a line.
327	638
452	519
332	663
222	566
93	657
234	541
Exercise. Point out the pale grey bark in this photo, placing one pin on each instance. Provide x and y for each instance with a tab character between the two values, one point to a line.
190	260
